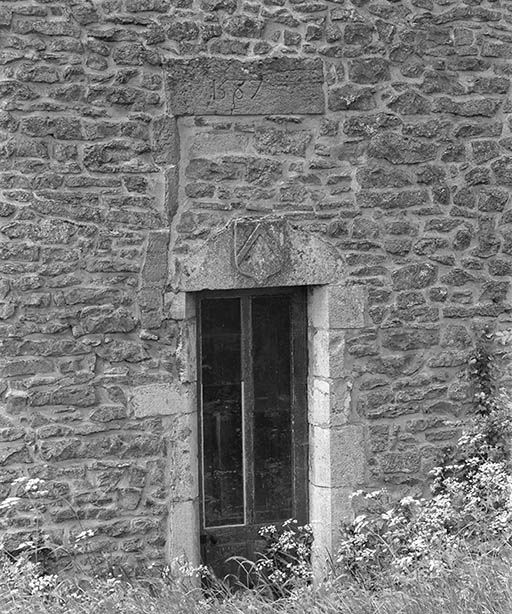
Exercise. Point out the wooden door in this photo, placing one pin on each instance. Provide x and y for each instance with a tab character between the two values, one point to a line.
253	423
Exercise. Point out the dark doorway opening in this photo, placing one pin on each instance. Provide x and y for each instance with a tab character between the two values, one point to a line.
253	418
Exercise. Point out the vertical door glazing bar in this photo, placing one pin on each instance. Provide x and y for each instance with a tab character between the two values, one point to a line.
248	407
300	436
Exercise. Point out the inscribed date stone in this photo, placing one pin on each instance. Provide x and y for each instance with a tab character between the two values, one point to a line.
211	86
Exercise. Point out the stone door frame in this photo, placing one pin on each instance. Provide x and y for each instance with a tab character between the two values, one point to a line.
337	439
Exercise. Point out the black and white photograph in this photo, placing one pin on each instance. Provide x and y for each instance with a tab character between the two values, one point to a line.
255	307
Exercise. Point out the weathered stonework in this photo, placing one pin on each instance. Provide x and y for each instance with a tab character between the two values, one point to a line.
370	140
208	86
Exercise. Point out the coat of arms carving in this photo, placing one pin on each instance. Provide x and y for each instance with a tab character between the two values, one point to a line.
260	247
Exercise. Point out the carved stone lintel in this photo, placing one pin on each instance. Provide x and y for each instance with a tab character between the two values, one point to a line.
261	253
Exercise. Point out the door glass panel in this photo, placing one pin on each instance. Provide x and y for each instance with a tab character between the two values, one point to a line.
272	408
223	476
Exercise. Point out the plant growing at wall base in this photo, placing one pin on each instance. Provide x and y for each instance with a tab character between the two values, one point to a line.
470	508
285	562
38	547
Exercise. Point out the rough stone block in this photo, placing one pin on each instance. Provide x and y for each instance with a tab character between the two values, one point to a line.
182	458
186	358
336	353
171	190
391	199
329	402
274	142
369	70
502	169
346	306
327	353
318	307
211	143
183	532
180	305
486	107
414	276
319	354
165	138
337	306
351	97
320	456
115	156
348	456
329	508
341	401
319	402
338	456
397	149
403	339
155	265
211	86
162	400
5	16
105	319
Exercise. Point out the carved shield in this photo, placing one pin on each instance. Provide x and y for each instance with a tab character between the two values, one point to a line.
259	247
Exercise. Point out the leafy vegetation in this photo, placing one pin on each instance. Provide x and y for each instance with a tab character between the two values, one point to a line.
474	585
449	553
470	508
284	565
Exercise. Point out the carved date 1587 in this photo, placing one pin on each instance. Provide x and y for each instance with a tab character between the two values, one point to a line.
234	90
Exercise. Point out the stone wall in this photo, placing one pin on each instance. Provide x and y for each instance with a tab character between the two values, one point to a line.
134	132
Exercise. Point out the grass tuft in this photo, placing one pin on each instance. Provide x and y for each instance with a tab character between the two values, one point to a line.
474	585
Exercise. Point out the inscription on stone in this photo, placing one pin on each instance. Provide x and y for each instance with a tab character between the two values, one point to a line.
209	86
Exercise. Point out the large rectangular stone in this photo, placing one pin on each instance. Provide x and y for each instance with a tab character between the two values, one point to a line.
347	306
338	456
327	353
162	400
180	305
337	306
329	508
183	533
154	272
329	402
165	140
182	457
218	86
